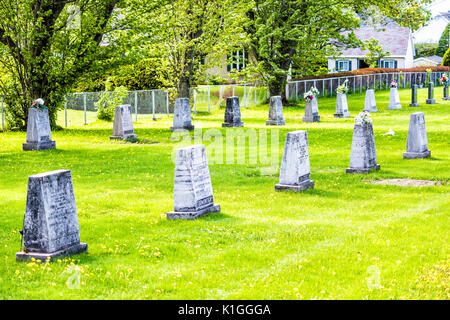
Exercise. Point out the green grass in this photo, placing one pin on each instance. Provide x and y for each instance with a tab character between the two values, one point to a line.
264	244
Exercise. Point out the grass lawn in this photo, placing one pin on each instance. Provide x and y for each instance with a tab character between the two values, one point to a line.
331	242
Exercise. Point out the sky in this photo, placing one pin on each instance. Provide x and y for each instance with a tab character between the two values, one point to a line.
433	30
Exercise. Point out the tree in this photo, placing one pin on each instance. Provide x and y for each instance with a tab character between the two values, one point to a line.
446	58
292	35
191	35
425	49
375	52
443	43
47	45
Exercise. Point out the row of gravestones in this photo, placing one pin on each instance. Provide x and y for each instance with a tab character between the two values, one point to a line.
51	228
39	133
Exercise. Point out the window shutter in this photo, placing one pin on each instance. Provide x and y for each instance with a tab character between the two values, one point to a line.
381	63
395	64
350	65
337	66
228	63
378	63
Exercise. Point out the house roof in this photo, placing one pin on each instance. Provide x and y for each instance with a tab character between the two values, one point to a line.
393	38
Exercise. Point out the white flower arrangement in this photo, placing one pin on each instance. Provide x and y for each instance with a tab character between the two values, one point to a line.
39	103
343	88
308	96
363	118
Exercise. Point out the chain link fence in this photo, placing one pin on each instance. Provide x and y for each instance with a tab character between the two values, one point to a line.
360	83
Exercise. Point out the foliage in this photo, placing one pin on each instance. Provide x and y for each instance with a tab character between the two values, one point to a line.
109	101
375	52
293	36
183	33
46	45
443	43
446	58
425	49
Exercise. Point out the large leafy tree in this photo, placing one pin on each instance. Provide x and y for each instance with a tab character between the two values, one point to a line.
295	35
443	43
46	46
190	35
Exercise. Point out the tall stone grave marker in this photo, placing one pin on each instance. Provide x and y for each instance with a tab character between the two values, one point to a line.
50	225
295	170
417	143
370	104
431	99
275	112
39	135
123	123
182	119
363	155
341	106
414	102
192	190
232	113
311	111
394	99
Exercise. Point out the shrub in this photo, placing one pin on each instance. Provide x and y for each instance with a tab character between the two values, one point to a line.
446	58
109	101
425	49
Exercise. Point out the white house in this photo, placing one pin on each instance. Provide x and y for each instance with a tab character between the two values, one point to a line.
398	41
428	61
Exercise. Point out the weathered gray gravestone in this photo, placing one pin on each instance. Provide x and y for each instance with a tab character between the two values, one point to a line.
341	106
50	225
192	190
445	93
311	111
369	102
39	135
232	113
123	123
431	99
182	119
276	112
295	169
414	102
363	155
417	143
394	99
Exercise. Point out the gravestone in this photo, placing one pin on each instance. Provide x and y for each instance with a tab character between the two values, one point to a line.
417	143
431	99
445	93
341	106
232	113
414	102
39	135
192	190
394	99
182	119
50	225
311	111
276	112
363	155
123	123
369	102
295	169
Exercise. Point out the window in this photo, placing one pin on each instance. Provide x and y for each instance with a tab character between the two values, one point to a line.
389	64
343	65
237	60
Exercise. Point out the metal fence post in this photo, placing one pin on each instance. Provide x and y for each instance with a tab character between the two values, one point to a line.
220	95
209	99
65	112
135	105
255	94
245	95
296	91
153	105
84	103
195	101
167	102
3	117
232	86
